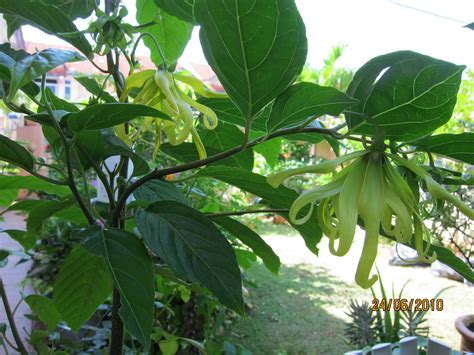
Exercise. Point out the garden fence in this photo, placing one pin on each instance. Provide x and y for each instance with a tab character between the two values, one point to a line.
408	346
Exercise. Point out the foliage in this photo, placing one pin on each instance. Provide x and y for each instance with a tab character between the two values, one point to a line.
361	330
455	230
161	123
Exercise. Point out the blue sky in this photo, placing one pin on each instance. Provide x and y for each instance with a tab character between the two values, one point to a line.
369	28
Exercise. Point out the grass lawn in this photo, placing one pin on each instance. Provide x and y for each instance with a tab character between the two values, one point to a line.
302	311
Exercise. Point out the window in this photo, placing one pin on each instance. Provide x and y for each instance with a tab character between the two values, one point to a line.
67	89
52	84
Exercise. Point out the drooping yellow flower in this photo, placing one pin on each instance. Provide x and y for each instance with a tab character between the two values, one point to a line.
369	189
158	89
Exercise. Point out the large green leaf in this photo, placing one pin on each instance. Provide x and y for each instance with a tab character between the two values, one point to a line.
31	67
159	190
48	19
7	196
454	146
304	102
31	183
131	269
228	112
91	85
186	152
171	33
42	212
45	310
108	115
115	146
57	103
13	24
225	137
13	153
407	93
8	58
27	241
82	285
281	197
270	150
252	240
447	257
182	9
256	48
72	8
193	247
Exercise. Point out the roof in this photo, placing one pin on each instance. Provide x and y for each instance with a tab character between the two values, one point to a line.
200	70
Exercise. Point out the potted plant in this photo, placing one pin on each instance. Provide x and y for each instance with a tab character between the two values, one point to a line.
465	326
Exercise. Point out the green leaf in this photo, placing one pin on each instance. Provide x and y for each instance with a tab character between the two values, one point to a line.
182	9
27	241
470	26
47	18
31	67
256	48
4	254
73	8
270	150
42	212
44	119
245	258
228	112
23	206
115	146
169	346
59	104
453	146
72	214
159	190
13	153
45	309
109	115
30	89
82	285
252	240
407	93
13	24
304	102
131	269
7	196
281	197
31	183
224	137
186	152
91	85
171	33
193	247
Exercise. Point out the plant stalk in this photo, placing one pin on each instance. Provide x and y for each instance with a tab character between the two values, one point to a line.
11	320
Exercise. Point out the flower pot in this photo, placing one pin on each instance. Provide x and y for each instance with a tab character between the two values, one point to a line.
465	326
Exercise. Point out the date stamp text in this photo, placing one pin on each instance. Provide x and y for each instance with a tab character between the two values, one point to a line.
404	304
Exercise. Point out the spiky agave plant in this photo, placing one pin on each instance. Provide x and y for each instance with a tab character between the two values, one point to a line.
371	191
361	330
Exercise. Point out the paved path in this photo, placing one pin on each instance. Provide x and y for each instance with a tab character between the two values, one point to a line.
12	275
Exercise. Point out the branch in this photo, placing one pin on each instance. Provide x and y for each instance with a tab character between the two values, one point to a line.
158	174
100	174
45	178
67	149
11	320
241	213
